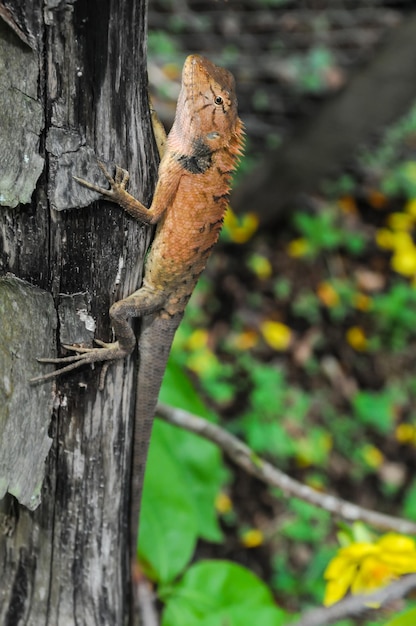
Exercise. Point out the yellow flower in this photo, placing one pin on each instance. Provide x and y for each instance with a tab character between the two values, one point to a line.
372	456
402	239
405	433
240	229
309	452
327	294
260	265
252	538
276	334
385	238
403	261
223	503
390	240
298	248
400	221
410	207
356	338
198	339
202	361
363	567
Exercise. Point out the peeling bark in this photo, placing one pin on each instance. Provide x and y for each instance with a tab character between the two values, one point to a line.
21	120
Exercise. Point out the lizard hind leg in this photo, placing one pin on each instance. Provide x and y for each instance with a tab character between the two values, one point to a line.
142	302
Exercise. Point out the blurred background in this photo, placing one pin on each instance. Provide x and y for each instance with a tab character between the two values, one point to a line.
301	336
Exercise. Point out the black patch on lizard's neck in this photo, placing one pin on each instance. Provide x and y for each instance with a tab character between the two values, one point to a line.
199	161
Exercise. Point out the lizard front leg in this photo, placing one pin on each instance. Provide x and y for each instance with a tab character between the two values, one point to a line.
170	171
142	302
118	193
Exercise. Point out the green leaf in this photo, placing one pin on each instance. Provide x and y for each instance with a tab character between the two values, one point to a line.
375	409
402	179
405	619
409	506
241	616
159	43
168	524
220	592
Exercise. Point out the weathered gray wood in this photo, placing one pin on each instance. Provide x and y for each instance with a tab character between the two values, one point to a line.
65	562
27	321
21	120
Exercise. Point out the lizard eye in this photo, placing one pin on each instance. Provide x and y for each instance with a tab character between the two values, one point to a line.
218	100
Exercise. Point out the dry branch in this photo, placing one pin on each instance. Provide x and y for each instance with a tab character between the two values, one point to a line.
243	456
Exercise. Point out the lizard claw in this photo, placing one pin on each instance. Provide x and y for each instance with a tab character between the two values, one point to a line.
82	350
107	353
119	182
122	176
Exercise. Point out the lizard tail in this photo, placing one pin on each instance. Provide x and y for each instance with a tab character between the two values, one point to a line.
155	341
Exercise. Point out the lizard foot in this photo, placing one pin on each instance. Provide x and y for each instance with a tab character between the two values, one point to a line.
107	353
117	184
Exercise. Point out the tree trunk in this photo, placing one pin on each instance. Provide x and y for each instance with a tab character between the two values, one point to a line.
72	85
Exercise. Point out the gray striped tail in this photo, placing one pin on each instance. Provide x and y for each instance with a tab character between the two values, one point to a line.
154	347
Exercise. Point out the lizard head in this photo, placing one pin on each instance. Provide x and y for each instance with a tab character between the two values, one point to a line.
206	113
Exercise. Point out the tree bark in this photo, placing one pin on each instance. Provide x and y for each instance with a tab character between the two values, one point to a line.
72	86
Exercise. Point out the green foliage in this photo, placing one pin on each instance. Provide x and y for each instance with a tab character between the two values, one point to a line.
184	474
303	525
325	232
305	522
345	185
229	55
408	618
346	292
260	100
274	407
355	533
402	180
219	592
161	44
282	288
409	505
389	153
307	305
377	409
396	172
286	408
394	314
309	70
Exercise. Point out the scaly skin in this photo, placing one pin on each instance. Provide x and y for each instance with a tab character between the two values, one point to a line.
188	206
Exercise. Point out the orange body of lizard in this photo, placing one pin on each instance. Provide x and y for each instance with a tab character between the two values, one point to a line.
188	207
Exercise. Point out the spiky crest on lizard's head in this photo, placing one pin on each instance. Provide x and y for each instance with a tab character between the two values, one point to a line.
206	115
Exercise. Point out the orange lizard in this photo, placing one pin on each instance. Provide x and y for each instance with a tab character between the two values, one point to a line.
188	206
